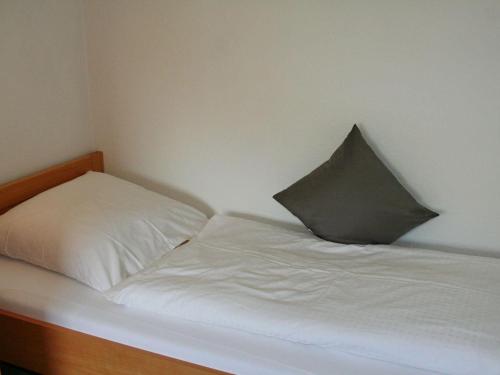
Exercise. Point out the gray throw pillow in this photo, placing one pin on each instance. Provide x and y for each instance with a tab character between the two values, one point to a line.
353	198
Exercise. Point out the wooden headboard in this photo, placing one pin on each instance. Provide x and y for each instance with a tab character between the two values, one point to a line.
15	192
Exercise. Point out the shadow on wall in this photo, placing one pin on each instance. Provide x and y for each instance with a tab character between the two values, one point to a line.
204	207
169	191
199	203
391	167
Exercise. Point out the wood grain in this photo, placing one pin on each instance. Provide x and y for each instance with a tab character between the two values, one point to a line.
53	350
15	192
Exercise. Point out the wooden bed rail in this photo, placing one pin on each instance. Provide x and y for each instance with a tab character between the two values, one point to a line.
49	349
15	192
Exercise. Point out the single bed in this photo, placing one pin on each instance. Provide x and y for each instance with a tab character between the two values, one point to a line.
52	324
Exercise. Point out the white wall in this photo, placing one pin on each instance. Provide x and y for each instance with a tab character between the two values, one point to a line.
222	103
43	85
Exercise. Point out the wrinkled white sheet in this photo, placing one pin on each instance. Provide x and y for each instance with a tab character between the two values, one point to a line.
41	294
427	309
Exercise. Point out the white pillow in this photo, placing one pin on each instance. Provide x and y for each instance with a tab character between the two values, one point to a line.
97	229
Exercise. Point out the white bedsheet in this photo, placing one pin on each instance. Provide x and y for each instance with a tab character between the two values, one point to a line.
427	309
45	295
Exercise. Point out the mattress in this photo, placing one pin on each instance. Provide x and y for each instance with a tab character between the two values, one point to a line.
56	299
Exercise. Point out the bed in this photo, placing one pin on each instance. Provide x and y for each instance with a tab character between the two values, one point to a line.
52	324
238	297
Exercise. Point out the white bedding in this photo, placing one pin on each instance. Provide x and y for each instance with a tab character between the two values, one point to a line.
97	229
47	296
426	309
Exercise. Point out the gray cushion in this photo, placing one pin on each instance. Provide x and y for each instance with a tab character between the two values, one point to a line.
354	198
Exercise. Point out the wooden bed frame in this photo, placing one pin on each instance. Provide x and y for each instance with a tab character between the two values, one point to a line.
50	349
